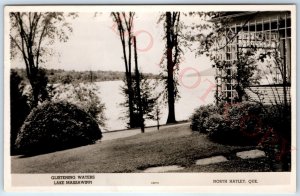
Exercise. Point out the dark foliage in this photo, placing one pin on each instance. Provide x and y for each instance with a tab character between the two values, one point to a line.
56	126
19	109
241	123
276	140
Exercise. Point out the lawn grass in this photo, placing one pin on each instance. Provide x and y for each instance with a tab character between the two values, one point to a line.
169	146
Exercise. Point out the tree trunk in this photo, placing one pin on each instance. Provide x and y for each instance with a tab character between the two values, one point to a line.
32	76
127	62
35	97
130	90
170	67
170	85
157	117
130	100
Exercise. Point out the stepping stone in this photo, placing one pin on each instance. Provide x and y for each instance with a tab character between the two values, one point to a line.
251	154
211	160
163	169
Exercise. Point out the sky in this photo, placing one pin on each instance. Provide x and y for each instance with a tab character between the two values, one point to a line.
94	44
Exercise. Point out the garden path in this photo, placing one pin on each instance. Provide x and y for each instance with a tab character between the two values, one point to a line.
250	154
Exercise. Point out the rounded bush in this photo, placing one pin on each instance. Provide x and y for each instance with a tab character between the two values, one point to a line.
56	126
200	117
220	130
240	124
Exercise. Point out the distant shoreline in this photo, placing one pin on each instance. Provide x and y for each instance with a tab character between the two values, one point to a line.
64	76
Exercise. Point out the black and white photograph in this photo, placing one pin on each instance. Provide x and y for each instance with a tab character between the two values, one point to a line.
150	96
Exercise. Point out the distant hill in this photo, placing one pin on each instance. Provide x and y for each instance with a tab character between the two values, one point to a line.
61	76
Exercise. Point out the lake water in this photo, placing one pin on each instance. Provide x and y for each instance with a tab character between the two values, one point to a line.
194	92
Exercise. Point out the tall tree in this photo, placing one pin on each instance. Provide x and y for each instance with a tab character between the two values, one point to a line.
143	100
124	23
30	35
173	51
138	88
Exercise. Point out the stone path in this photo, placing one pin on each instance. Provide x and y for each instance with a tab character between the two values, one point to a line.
250	154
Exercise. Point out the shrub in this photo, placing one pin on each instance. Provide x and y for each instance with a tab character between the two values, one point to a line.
200	117
56	126
241	124
235	124
279	118
276	140
219	130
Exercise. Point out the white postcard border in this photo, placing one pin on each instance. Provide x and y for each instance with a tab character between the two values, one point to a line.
169	180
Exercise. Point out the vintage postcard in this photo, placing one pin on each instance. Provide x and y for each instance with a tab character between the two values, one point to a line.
164	98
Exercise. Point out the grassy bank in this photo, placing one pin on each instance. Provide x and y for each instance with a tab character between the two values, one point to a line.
169	146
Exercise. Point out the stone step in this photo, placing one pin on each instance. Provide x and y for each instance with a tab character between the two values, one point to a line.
162	169
211	160
251	154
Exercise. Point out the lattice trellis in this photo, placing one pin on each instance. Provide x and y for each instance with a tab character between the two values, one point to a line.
267	31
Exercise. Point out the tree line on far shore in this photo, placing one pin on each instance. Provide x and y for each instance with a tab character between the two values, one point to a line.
56	76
